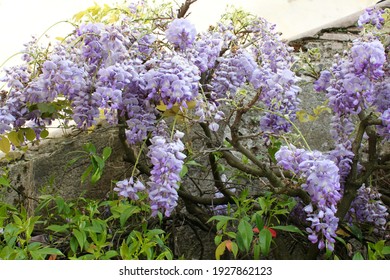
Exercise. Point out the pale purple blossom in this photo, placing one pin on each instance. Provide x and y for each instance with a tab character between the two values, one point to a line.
322	183
372	16
181	33
167	159
129	188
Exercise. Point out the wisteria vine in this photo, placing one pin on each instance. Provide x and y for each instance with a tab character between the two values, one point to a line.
137	72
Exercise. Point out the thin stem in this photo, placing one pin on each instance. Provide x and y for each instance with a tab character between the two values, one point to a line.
214	167
184	8
51	26
129	153
138	157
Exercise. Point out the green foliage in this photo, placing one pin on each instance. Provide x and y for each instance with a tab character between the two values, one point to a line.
81	229
95	169
16	242
248	231
378	250
306	64
304	116
19	138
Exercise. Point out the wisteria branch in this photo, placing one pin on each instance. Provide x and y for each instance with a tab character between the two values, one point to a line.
184	8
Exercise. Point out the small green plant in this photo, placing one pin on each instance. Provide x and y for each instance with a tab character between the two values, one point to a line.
95	169
16	242
99	230
248	231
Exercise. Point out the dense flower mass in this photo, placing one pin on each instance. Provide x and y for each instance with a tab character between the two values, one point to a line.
368	208
232	72
372	16
322	183
206	50
173	80
350	87
181	33
167	158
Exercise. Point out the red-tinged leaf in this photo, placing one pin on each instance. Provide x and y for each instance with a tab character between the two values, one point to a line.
229	245
255	230
272	231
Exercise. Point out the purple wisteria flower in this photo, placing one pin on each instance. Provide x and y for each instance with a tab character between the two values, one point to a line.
222	209
372	16
173	80
368	58
167	159
385	117
206	50
232	72
181	33
129	188
350	83
368	208
322	183
323	81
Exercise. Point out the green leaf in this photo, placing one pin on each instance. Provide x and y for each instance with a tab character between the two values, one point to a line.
256	251
234	249
90	148
125	251
231	234
86	173
193	163
263	204
46	108
98	162
153	232
44	134
5	145
265	238
274	147
217	239
129	211
49	251
222	220
259	221
184	171
341	240
109	255
58	228
386	250
4	181
60	202
244	235
14	137
30	134
17	220
96	176
81	238
106	153
73	244
357	256
357	232
288	228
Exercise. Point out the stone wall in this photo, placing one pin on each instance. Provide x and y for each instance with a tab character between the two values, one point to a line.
45	169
